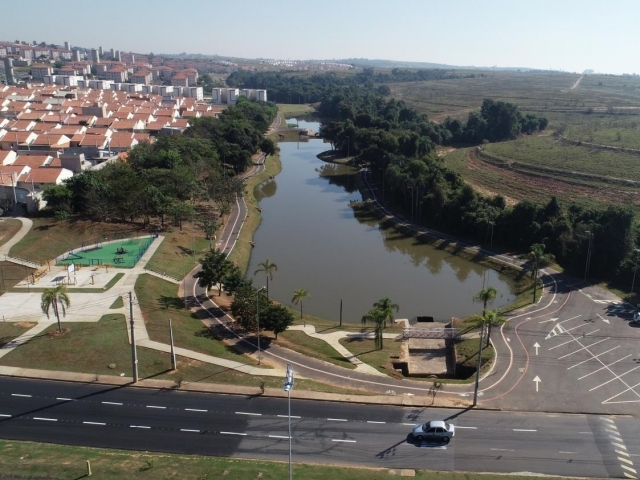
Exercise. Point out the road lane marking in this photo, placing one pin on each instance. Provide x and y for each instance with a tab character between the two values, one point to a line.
625	460
4	415
287	416
248	413
139	426
602	368
20	395
616	438
591	333
468	428
567	452
94	423
629	476
194	410
584	347
619	445
561	344
234	433
523	430
409	424
620	452
345	441
502	450
624	391
609	420
594	357
46	419
189	430
616	377
112	403
337	419
370	421
629	468
155	406
279	436
65	399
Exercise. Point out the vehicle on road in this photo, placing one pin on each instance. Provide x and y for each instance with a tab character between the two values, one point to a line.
435	430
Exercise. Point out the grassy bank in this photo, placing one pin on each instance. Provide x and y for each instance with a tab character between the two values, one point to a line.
366	351
8	228
293	110
175	255
11	330
312	347
39	460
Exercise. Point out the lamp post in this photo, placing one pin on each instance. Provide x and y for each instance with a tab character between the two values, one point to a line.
258	319
635	267
589	252
288	386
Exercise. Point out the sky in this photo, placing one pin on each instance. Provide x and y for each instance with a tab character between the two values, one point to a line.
570	35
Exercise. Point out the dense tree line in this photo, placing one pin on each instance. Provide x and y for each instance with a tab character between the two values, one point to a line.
397	144
168	178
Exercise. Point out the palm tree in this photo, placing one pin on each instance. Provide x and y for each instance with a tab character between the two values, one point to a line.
485	295
268	268
538	258
489	318
378	318
386	307
51	297
298	295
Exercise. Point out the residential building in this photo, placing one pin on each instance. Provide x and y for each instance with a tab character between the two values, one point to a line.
38	71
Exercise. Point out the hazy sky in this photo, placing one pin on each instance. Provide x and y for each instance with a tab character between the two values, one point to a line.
573	35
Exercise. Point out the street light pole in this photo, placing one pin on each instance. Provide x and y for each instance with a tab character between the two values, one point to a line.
288	386
475	390
258	320
589	252
633	282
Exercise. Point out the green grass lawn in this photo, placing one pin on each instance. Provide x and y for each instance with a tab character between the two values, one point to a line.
11	330
8	228
175	256
312	347
41	460
366	351
293	110
467	351
159	302
11	274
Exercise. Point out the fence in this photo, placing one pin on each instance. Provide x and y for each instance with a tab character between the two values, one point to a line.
431	333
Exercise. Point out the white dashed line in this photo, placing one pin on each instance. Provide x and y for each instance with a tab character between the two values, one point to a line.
4	415
94	423
139	426
279	436
502	450
20	395
409	424
370	421
65	399
112	403
188	430
154	406
567	452
345	441
46	419
337	419
194	410
249	413
523	430
468	428
234	433
287	416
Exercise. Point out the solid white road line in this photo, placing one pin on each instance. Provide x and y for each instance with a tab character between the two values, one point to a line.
345	441
248	413
112	403
94	423
278	436
602	368
20	395
154	406
65	399
234	433
624	391
138	426
369	421
557	346
523	430
616	377
337	419
194	410
594	357
189	430
583	348
46	419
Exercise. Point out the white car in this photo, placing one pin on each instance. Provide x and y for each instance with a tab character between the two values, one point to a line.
435	430
636	317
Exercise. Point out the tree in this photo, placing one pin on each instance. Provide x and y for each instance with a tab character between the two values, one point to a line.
233	280
538	258
298	295
489	318
386	307
276	318
214	268
51	297
268	147
58	197
268	268
243	307
378	318
485	295
209	227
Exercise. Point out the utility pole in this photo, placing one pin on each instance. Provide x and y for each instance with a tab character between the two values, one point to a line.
475	390
288	386
134	354
589	253
340	312
258	321
174	365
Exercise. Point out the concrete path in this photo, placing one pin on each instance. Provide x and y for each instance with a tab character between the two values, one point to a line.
25	337
26	226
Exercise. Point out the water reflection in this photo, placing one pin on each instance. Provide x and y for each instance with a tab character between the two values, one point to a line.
266	189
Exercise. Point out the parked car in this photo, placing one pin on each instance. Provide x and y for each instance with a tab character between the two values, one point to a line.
636	317
434	430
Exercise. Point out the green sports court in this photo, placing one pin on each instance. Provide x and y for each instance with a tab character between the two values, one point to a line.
121	253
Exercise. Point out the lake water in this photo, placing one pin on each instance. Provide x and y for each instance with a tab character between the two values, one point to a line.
311	233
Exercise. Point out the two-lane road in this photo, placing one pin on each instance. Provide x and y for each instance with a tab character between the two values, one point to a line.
323	432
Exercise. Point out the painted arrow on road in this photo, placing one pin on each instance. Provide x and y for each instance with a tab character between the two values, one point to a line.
537	380
604	319
550	320
537	346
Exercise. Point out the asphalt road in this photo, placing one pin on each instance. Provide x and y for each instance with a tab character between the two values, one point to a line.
322	432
